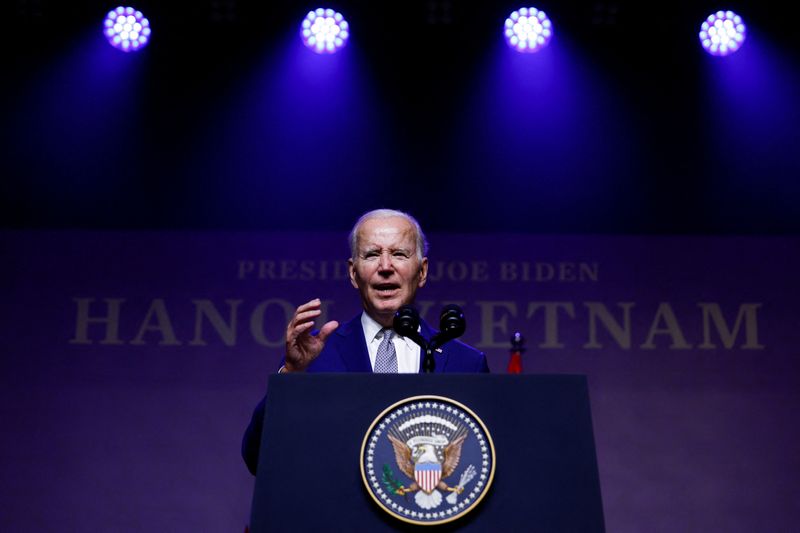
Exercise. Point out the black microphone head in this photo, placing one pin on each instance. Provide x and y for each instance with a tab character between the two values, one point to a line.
452	322
406	321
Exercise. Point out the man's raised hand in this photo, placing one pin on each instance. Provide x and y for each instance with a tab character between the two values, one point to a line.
301	346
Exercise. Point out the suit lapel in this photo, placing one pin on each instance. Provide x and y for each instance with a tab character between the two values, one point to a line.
353	347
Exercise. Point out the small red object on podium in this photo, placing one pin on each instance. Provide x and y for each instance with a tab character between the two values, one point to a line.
517	347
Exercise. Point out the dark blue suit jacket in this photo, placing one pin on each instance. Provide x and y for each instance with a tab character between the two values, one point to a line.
346	351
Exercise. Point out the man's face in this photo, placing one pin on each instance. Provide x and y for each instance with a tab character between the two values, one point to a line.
386	270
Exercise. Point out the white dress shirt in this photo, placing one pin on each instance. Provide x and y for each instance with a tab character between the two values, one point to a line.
406	349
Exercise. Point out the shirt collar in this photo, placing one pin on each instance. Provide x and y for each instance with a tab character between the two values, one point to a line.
370	326
371	329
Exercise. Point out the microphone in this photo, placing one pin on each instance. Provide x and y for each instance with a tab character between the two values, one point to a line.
451	322
406	322
451	325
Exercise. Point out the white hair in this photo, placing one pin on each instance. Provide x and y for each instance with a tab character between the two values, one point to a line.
422	243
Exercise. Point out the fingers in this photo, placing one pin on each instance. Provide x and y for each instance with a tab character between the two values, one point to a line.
303	321
313	305
326	330
303	318
301	346
301	328
316	303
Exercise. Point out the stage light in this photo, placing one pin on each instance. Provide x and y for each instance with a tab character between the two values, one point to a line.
722	33
126	29
325	31
528	30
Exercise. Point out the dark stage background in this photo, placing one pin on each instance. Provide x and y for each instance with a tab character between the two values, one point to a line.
667	178
623	125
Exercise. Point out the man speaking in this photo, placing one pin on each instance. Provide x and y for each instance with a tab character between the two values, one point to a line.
388	263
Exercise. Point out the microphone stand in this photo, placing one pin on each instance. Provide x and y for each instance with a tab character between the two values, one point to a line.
406	323
428	362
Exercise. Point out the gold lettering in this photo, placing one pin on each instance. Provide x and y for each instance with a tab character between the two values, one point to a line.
163	325
551	320
266	269
620	333
747	313
110	320
480	271
672	328
307	270
545	272
257	322
566	272
508	271
288	269
457	271
489	322
588	271
245	268
225	330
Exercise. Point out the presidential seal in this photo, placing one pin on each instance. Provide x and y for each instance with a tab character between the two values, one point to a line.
427	460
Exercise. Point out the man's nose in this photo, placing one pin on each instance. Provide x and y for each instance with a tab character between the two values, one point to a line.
386	262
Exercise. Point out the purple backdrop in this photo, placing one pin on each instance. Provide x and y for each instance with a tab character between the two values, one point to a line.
132	361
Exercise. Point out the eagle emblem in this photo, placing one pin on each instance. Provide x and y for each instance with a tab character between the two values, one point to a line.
427	461
429	458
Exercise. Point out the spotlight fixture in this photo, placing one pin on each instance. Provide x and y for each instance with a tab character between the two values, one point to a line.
722	33
528	30
325	31
126	29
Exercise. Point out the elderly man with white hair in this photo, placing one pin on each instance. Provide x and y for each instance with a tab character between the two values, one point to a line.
388	264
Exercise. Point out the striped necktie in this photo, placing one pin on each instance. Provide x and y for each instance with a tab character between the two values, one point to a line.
386	359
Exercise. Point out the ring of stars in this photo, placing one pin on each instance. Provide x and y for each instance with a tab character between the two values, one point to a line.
420	416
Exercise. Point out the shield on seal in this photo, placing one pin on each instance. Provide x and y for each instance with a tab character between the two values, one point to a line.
427	475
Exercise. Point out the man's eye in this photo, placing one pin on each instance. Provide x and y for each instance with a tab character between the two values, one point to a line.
400	254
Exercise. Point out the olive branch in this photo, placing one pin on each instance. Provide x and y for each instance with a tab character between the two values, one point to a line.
390	481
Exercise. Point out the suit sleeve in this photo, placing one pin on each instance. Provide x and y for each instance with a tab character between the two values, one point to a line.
483	365
251	442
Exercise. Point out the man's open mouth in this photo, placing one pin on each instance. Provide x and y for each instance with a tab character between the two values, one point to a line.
386	288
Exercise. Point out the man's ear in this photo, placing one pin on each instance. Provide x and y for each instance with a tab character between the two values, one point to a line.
351	269
423	272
